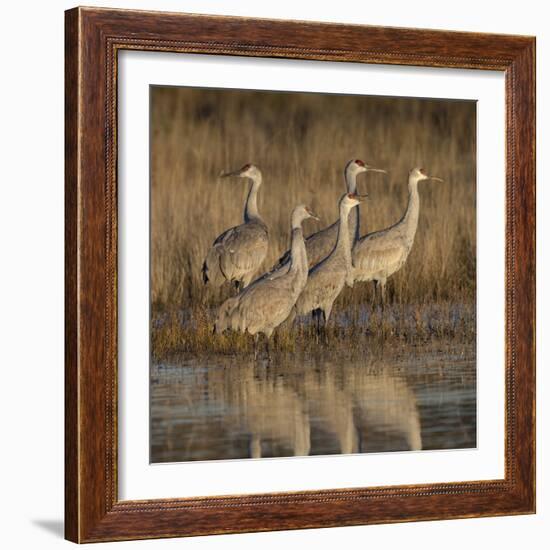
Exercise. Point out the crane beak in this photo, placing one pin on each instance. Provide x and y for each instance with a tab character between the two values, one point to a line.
230	174
372	169
313	215
435	179
361	198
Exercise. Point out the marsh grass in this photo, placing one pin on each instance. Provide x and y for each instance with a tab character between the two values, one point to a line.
352	330
301	142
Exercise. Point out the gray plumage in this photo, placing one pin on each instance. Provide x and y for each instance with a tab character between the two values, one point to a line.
268	301
380	254
237	254
327	279
320	244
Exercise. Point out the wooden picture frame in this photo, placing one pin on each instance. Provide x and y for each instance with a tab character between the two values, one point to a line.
93	511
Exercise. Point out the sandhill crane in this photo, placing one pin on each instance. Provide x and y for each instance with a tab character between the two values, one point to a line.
327	279
267	302
380	254
319	245
237	253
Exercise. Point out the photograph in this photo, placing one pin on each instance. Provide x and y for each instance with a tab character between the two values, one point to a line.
312	274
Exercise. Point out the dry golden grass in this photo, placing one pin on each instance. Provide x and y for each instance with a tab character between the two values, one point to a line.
352	332
301	142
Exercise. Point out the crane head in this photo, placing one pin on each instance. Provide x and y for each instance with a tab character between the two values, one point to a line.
420	174
350	200
359	166
301	213
247	171
311	214
356	166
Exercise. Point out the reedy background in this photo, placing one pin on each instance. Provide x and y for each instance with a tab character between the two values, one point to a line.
301	142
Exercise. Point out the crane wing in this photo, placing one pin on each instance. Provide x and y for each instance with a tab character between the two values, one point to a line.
322	287
260	306
241	249
222	236
328	284
375	253
246	246
318	246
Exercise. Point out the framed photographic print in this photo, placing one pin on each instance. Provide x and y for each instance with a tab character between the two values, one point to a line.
300	275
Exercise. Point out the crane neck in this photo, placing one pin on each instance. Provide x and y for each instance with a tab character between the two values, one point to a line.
351	181
343	246
251	207
410	218
354	216
298	254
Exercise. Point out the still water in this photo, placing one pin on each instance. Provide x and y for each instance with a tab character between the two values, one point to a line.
229	408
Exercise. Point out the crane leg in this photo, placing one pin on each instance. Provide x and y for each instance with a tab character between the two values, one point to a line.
377	292
320	324
325	321
380	290
267	348
256	336
383	293
315	317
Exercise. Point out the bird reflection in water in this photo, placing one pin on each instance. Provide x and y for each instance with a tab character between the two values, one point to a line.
308	407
